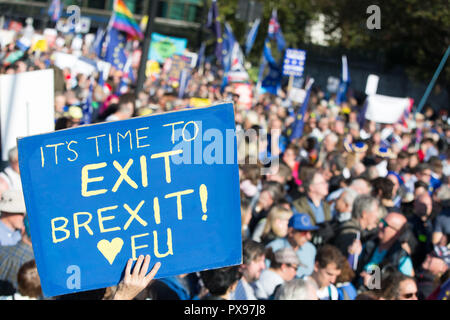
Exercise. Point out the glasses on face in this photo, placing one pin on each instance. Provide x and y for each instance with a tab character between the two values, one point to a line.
409	295
385	224
293	266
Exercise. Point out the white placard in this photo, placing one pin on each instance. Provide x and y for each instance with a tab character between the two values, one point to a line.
26	106
385	109
372	84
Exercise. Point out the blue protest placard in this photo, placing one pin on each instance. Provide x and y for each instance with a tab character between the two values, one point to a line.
166	185
294	62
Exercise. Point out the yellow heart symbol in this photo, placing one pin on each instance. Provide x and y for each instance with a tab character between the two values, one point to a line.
110	249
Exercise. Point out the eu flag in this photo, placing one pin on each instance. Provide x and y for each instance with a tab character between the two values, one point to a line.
214	24
115	49
299	123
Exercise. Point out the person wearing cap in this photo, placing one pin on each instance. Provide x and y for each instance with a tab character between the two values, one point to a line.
283	268
298	238
436	263
12	208
12	257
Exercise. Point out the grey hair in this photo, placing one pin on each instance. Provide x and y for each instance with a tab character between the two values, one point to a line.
13	154
297	289
363	203
349	196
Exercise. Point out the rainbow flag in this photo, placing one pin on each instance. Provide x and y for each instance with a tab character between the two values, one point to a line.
123	21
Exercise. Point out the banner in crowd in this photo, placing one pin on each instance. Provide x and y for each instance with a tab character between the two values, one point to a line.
244	90
163	47
166	185
385	109
294	62
75	64
26	106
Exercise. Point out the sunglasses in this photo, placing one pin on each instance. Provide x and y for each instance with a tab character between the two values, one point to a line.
293	266
385	224
409	295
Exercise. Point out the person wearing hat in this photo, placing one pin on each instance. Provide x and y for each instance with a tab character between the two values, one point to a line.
298	239
283	268
12	208
436	263
12	257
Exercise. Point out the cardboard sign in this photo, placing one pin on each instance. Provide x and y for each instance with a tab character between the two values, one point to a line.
166	185
26	106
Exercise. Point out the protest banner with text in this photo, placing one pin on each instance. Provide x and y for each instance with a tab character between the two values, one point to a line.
166	185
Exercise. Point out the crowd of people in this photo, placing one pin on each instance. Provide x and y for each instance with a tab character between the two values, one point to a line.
351	210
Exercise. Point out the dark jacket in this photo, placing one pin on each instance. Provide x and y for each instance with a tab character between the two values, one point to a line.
391	260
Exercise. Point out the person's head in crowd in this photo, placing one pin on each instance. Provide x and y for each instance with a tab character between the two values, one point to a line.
127	103
327	266
396	180
360	185
13	159
437	261
413	160
281	174
71	98
323	124
366	211
73	115
420	188
221	282
271	193
398	286
277	222
345	201
436	166
382	188
423	206
391	228
316	186
12	209
60	103
297	289
29	283
403	159
290	155
423	172
253	260
353	129
347	273
285	263
339	126
300	230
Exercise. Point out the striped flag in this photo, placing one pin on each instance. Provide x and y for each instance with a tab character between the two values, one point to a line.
251	37
55	9
124	21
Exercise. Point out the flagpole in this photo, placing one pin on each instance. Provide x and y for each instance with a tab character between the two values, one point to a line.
433	80
151	13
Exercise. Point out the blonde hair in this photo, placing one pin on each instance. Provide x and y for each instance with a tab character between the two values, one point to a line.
277	212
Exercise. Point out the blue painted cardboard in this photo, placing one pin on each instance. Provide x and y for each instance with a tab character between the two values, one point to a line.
98	195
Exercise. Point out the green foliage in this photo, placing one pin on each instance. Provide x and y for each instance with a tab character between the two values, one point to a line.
414	33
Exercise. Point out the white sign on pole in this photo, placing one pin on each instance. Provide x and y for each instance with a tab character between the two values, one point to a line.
385	109
372	84
26	106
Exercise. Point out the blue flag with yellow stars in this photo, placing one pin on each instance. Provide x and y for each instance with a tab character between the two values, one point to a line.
115	50
299	123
